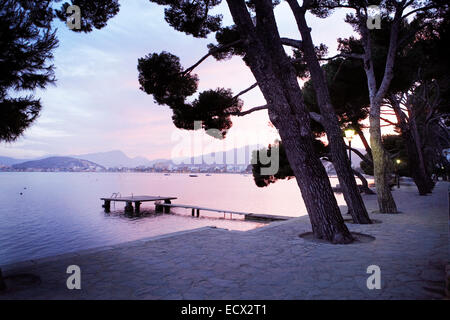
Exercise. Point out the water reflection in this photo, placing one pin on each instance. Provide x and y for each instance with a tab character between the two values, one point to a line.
44	214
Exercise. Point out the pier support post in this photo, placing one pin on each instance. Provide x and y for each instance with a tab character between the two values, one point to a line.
107	206
129	208
158	208
198	213
193	212
167	209
137	207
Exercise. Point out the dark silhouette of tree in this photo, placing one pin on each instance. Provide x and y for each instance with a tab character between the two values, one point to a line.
348	91
395	13
254	36
27	41
422	107
94	13
285	170
26	44
417	65
330	122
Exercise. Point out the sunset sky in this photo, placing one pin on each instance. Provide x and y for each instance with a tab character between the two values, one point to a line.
97	106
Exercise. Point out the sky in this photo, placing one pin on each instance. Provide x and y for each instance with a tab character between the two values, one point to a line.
96	104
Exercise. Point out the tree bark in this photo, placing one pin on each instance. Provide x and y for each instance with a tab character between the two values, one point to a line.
330	122
381	170
278	82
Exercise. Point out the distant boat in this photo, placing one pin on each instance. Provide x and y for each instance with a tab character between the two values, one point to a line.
193	175
167	174
208	175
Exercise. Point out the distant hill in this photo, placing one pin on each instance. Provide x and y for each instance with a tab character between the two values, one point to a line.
63	163
116	158
7	161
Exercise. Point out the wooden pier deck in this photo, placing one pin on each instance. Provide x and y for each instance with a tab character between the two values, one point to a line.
137	202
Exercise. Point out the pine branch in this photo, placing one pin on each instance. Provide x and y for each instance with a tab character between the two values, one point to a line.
211	52
243	113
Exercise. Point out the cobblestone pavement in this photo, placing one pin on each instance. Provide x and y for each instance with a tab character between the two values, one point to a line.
273	262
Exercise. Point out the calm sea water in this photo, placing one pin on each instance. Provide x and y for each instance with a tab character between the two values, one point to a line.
61	212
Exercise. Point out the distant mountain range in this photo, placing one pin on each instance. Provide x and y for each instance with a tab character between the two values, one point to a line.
115	158
118	159
62	163
110	159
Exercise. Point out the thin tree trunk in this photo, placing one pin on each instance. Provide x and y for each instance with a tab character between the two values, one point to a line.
278	82
338	152
365	185
364	141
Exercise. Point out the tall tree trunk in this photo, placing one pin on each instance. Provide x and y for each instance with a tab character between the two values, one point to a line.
338	152
278	82
381	160
312	179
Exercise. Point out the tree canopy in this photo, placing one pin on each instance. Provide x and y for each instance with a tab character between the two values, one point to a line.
27	41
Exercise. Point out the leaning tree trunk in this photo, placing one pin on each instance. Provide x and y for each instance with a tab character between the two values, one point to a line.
277	80
381	160
364	141
365	185
330	122
312	179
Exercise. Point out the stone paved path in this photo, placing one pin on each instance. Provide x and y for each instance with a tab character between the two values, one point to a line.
272	262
